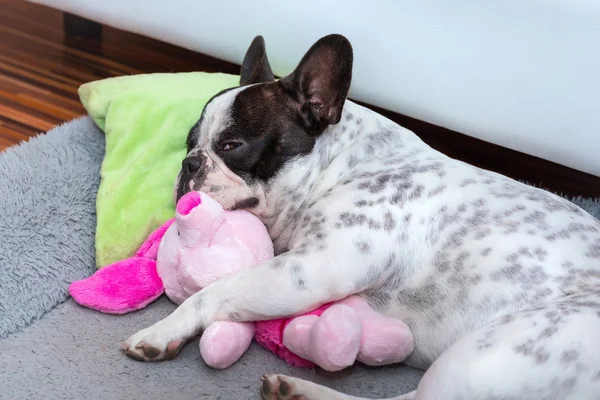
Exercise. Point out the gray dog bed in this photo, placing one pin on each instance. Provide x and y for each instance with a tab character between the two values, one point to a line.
54	349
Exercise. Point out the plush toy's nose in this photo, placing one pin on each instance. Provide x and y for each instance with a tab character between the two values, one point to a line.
188	202
198	218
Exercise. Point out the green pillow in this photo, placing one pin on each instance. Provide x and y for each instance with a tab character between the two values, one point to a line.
146	119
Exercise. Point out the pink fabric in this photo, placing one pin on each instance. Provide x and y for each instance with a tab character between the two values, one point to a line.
149	249
224	342
269	334
126	285
188	202
119	288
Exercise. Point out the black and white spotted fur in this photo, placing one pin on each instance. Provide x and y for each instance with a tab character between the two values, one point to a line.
499	281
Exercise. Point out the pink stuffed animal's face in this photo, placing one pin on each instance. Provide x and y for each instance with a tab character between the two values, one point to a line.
206	243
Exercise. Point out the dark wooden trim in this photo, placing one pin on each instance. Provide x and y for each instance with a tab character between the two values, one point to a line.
79	27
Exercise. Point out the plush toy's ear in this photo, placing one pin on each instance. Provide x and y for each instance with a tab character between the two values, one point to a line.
121	287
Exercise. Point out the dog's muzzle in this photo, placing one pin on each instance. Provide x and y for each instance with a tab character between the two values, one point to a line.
193	169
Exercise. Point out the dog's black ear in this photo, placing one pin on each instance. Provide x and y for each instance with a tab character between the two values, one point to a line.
320	83
255	67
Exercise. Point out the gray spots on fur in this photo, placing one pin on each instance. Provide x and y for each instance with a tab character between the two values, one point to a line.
416	193
571	229
277	263
525	277
297	275
467	182
374	225
510	226
353	161
302	249
234	316
538	219
389	223
569	356
594	250
529	349
548	332
540	253
363	246
486	341
483	233
436	191
421	298
361	203
349	219
479	203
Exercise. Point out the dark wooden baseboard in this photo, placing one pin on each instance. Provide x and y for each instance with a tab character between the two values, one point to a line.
79	27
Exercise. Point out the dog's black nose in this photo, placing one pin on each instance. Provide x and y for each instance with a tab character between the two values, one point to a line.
192	164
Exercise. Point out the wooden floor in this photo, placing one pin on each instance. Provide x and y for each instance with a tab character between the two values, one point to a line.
41	69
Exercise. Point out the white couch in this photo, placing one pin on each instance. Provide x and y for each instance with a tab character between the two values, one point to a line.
521	74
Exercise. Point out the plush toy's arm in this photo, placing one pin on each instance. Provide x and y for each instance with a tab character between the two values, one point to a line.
224	342
126	285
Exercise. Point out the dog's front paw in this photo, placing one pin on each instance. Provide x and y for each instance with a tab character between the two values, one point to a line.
152	344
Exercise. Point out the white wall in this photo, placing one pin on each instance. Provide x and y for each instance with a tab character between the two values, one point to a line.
521	74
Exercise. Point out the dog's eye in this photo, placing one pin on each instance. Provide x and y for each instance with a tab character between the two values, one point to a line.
227	146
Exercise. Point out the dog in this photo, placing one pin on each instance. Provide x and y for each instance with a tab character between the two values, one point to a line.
498	281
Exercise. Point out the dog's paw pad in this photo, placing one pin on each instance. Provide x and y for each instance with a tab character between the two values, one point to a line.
172	349
144	346
279	387
146	352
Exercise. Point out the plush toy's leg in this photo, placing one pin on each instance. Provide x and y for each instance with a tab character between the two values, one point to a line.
296	335
223	343
331	341
384	340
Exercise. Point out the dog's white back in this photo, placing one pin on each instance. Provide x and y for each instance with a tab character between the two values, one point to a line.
498	281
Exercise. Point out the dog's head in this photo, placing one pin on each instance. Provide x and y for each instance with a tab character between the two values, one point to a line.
247	134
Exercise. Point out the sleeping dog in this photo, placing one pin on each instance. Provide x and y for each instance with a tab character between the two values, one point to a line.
498	281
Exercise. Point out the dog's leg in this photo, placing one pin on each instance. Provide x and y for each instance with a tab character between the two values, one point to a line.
548	352
281	387
287	285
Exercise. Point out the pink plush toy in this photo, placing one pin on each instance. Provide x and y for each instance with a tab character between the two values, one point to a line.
204	243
